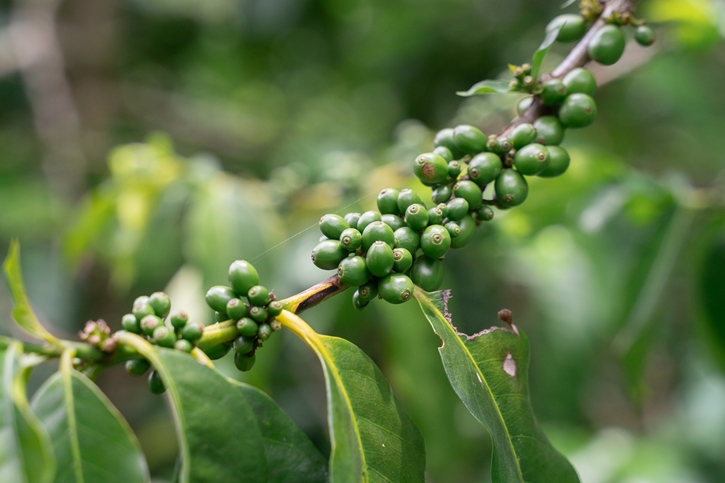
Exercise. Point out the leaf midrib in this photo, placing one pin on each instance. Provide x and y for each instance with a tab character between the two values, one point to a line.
66	367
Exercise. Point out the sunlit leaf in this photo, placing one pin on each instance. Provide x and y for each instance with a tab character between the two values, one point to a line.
489	372
22	312
486	87
91	440
26	454
372	438
543	49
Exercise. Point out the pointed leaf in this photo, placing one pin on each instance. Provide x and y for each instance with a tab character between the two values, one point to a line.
543	49
489	372
372	438
219	438
567	3
22	312
26	455
291	456
486	87
91	440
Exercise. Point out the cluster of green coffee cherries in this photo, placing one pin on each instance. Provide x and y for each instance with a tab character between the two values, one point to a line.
251	306
152	318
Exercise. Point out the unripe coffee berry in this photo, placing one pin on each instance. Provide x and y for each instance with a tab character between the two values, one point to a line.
328	254
388	201
558	162
578	110
402	260
244	362
427	273
453	229
243	345
358	301
435	241
236	309
218	297
156	385
607	45
524	104
416	216
367	218
407	238
218	351
435	216
580	81
454	169
131	324
444	137
484	168
549	130
442	194
368	291
443	152
377	231
221	316
183	345
242	276
522	135
457	208
406	198
137	367
393	221
469	139
379	259
485	212
468	230
265	331
164	336
353	271
532	159
179	319
142	308
396	288
503	144
149	324
511	189
161	304
275	308
351	219
553	92
572	27
644	35
351	239
258	295
258	314
469	191
332	226
247	328
430	169
192	331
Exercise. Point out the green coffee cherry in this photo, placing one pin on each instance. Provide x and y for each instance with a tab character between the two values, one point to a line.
219	296
275	308
351	219
353	271
522	135
396	288
442	194
503	144
265	331
377	231
485	212
350	239
328	254
580	81
406	198
379	259
644	35
358	302
243	345
572	26
427	273
607	45
435	241
179	319
242	276
137	367
444	209
149	324
444	153
435	216
218	351
244	362
549	130
511	189
156	385
221	316
236	309
453	229
484	168
367	218
416	216
258	314
142	308
553	92
492	143
402	260
388	202
444	137
469	139
454	169
393	221
532	159
258	295
368	291
164	336
468	230
183	345
407	238
469	191
131	324
332	225
524	104
161	304
430	169
578	110
558	162
457	208
192	331
247	328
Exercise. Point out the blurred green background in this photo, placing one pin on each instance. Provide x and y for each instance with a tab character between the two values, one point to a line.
145	144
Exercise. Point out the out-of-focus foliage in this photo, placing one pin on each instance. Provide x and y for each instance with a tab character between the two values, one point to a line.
277	111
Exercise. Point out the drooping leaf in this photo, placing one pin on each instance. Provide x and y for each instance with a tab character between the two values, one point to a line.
543	49
486	87
91	440
489	372
372	438
22	312
291	456
219	438
26	455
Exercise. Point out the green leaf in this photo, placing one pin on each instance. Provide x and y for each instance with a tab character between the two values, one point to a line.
712	295
543	49
219	438
22	312
567	3
291	456
26	455
486	87
372	438
91	440
489	372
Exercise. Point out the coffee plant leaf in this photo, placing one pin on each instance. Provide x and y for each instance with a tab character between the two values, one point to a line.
26	454
543	49
489	372
372	438
291	456
90	438
219	438
22	312
486	87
